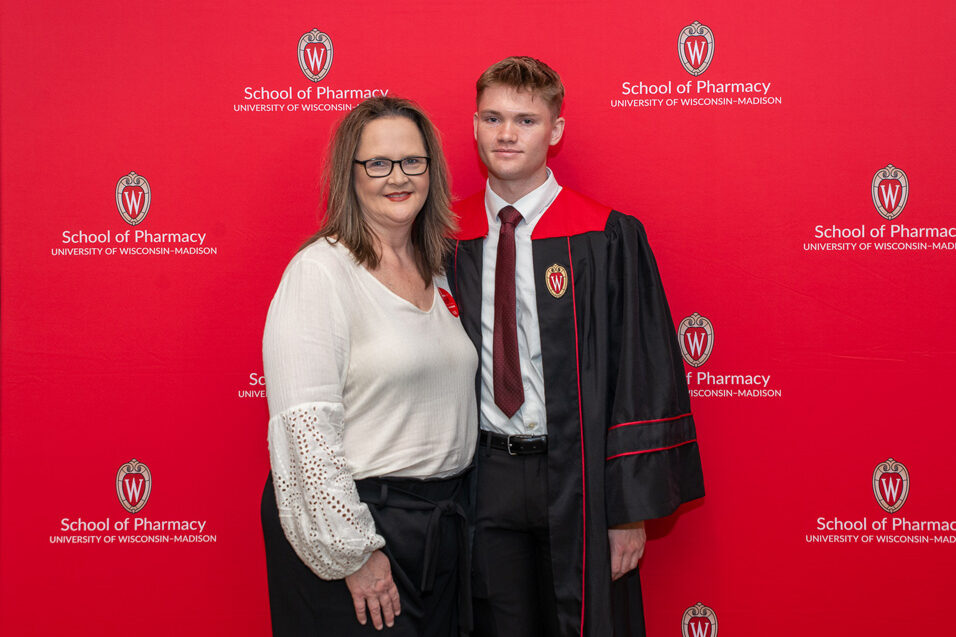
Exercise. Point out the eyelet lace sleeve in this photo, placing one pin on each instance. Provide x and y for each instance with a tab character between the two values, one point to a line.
305	354
330	529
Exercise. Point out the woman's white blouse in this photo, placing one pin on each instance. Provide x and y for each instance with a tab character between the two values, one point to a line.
360	383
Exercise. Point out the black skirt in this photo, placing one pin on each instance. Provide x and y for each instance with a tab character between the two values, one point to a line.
425	530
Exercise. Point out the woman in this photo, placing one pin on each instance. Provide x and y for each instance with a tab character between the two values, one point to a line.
371	397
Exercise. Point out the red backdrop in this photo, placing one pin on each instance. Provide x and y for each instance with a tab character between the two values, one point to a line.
139	337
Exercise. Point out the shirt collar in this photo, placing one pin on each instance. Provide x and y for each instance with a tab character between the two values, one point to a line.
531	206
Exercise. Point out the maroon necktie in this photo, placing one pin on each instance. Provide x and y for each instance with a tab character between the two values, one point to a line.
506	370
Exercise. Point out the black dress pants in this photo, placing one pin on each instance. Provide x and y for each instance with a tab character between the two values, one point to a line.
512	579
302	604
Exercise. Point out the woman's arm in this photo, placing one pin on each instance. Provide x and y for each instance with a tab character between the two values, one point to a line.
305	356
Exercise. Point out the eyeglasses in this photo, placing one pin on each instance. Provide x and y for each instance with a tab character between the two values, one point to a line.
381	167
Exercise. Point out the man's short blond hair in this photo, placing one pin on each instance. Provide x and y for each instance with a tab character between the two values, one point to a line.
524	73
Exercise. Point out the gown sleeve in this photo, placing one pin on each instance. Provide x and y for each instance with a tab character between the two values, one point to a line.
653	461
305	357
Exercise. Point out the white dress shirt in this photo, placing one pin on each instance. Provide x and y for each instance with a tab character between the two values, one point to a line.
361	383
530	419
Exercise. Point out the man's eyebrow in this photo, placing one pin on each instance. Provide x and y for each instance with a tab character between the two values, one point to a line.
489	111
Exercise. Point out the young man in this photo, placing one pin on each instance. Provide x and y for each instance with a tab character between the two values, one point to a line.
585	419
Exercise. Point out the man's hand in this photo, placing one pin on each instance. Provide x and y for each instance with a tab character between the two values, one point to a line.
627	547
372	588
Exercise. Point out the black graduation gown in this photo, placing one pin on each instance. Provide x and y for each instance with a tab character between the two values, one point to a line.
622	445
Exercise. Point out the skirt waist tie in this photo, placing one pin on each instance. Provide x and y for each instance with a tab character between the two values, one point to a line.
384	492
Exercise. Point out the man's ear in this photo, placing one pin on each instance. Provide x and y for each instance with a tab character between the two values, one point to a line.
557	130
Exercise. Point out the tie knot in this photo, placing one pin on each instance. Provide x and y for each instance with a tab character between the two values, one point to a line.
509	215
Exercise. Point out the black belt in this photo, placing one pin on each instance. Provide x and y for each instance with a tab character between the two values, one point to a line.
514	445
379	493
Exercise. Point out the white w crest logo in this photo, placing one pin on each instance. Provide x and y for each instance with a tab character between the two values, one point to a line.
889	193
696	337
891	487
133	199
316	57
890	190
133	489
695	47
315	54
699	629
695	343
695	51
699	621
133	484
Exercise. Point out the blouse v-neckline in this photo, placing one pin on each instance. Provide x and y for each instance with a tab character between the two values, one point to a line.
399	297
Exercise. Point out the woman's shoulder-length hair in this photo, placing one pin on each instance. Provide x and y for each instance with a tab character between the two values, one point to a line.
343	220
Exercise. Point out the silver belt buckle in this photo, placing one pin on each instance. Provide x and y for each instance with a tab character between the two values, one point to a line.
510	452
